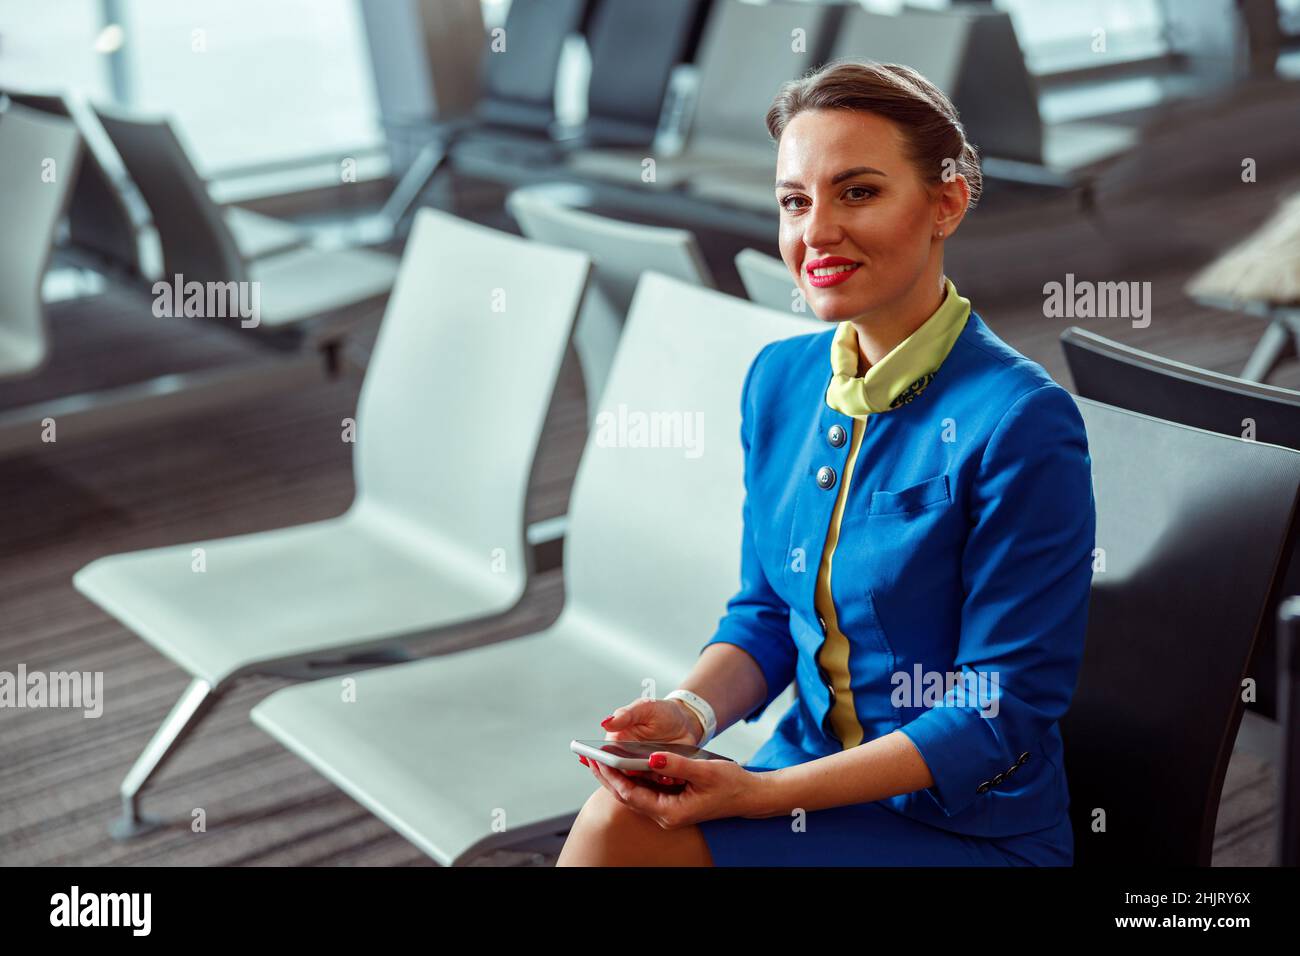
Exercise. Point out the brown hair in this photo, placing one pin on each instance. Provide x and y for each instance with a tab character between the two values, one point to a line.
928	120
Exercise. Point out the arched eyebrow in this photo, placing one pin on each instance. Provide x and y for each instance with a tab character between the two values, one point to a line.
837	178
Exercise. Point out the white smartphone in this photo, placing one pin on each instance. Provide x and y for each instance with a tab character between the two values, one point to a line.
635	754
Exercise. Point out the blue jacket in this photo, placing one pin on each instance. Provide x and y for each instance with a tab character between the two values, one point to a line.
965	548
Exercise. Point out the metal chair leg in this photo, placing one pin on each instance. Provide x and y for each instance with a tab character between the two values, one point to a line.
1274	346
184	716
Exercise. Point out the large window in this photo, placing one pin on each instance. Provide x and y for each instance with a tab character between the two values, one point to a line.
1059	35
52	46
250	82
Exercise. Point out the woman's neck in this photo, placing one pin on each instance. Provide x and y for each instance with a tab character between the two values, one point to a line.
880	331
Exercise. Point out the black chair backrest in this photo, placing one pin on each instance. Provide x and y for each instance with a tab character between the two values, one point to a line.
634	48
519	81
1288	770
196	241
1119	375
1191	529
99	221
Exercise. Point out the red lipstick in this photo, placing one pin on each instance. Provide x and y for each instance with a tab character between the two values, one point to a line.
834	278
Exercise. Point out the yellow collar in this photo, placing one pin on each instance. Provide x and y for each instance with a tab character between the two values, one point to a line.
902	374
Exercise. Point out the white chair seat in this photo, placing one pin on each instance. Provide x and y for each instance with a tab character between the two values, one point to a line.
436	747
257	235
329	585
1070	147
302	283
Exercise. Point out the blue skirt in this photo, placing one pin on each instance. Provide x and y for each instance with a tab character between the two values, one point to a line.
874	834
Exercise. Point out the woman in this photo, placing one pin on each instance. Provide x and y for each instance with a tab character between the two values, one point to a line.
944	477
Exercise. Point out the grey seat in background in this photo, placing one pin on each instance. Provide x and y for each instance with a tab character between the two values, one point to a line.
198	243
435	535
175	193
519	81
39	156
620	252
746	53
635	49
767	281
99	220
1191	532
969	51
504	103
1126	377
468	751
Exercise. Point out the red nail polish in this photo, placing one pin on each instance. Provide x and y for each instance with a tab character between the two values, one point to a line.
658	761
583	759
605	722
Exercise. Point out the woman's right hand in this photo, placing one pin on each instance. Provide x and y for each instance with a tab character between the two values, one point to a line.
645	719
660	720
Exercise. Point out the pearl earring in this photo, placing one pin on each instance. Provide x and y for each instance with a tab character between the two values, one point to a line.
940	233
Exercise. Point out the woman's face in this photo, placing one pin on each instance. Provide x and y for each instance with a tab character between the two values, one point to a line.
852	202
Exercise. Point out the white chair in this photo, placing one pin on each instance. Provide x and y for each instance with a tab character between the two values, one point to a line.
206	243
620	252
469	751
38	165
768	282
101	223
448	422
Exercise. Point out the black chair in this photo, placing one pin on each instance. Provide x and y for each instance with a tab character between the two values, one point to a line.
1128	378
635	47
99	221
1288	803
1193	526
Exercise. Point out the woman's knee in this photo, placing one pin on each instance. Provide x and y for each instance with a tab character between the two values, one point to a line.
608	833
604	827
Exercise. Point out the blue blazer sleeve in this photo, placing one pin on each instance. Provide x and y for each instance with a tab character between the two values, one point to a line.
1026	570
757	620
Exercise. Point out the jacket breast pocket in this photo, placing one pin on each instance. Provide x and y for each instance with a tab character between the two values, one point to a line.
926	494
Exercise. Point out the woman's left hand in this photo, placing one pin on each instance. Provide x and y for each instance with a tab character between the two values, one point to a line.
714	789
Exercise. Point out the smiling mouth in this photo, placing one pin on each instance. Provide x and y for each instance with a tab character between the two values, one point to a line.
832	275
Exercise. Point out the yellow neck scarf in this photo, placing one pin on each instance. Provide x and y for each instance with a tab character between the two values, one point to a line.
902	374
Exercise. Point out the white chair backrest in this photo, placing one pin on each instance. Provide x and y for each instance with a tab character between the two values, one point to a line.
620	252
768	282
747	52
653	550
38	166
459	383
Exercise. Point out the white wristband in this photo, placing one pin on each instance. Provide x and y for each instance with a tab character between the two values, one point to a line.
700	707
